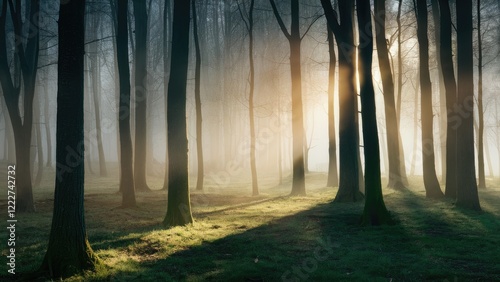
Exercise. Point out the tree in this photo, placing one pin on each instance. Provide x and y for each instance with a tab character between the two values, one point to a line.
127	174
249	26
141	92
166	54
467	195
26	43
375	212
333	179
480	108
348	136
69	251
450	85
197	97
179	206
431	183
396	180
295	39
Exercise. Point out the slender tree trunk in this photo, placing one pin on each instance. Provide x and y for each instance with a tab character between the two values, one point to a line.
396	180
127	174
166	71
415	128
69	251
141	93
467	195
294	39
39	147
179	206
480	108
375	212
451	98
431	183
333	180
197	97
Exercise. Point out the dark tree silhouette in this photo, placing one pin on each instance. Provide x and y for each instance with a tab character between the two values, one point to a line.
25	59
141	92
467	195
431	183
375	212
333	179
295	39
197	97
69	251
179	206
349	162
480	107
396	179
451	98
127	174
166	69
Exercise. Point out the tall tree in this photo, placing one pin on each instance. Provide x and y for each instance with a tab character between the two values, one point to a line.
197	98
431	183
249	23
26	41
333	179
451	98
375	212
141	92
480	107
69	251
343	31
127	174
396	179
467	195
294	40
166	64
179	206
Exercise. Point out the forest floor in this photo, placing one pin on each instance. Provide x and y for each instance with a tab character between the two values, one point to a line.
272	237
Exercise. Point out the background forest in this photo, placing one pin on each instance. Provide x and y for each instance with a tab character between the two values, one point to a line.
250	140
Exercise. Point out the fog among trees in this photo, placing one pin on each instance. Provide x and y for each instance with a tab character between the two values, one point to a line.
126	119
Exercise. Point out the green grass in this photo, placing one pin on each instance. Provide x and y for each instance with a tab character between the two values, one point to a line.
243	238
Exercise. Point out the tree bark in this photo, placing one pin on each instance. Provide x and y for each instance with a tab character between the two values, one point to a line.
348	135
431	183
179	206
197	97
375	212
141	93
127	174
166	71
451	98
69	251
480	136
467	195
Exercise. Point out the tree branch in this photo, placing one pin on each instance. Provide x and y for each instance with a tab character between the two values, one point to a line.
280	20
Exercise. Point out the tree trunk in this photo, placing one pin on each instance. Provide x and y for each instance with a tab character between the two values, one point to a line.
179	206
197	97
166	70
141	92
415	128
39	147
333	180
27	59
431	183
127	174
294	39
480	108
69	251
467	195
375	212
349	166
396	180
451	99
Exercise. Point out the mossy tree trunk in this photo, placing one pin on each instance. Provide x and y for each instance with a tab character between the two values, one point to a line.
69	251
179	206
